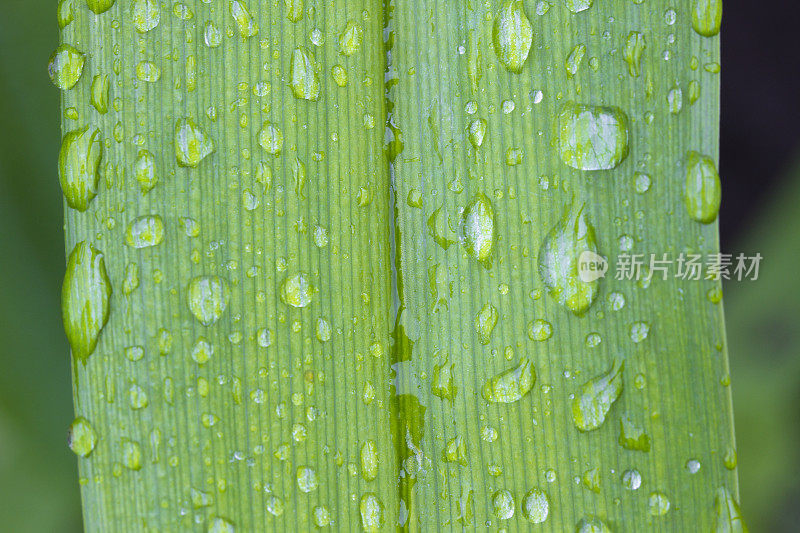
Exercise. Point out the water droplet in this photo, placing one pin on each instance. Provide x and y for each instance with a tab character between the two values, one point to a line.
730	459
297	290
339	74
66	13
703	193
371	513
85	299
634	47
137	397
274	505
477	132
134	353
144	169
535	506
191	144
350	38
658	504
148	71
322	516
146	15
145	231
641	182
675	100
728	515
79	166
202	351
306	479
369	460
81	438
100	6
245	22
503	504
478	229
201	499
639	331
218	524
559	258
693	466
294	10
511	385
485	322
591	524
131	454
591	405
707	17
592	137
270	138
632	437
304	75
442	384
212	35
573	61
512	35
631	479
207	297
99	93
540	330
440	227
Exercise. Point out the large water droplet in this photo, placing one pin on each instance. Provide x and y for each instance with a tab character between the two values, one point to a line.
512	35
369	460
144	170
728	515
304	75
350	38
218	524
245	22
536	506
66	13
145	231
100	6
478	229
306	479
207	297
503	504
707	17
79	166
371	513
511	385
703	193
81	438
592	137
591	405
658	504
66	66
270	138
85	299
191	144
560	260
297	290
99	93
146	15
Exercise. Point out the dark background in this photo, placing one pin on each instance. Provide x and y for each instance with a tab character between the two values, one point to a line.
760	169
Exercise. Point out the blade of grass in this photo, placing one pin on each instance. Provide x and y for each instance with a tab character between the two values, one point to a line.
670	335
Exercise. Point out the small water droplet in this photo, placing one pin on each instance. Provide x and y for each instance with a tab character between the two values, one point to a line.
297	290
369	460
192	145
371	509
271	139
131	454
592	137
145	231
478	229
503	504
576	6
304	75
703	192
591	524
81	438
540	330
350	38
485	322
658	504
207	297
631	479
510	385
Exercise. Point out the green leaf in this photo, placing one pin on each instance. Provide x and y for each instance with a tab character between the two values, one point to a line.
290	349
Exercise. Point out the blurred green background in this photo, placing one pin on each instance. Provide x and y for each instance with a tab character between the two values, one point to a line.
38	475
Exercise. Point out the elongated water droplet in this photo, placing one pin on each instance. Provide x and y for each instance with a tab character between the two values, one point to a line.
145	231
131	454
66	13
66	66
371	509
144	170
442	384
369	460
560	260
79	166
100	6
297	290
592	137
207	297
591	524
535	506
85	299
304	75
511	385
191	144
591	405
440	227
512	35
245	22
478	229
81	438
707	17
455	451
485	322
271	138
218	524
728	515
474	63
576	6
477	132
634	47
350	38
703	193
573	61
99	93
146	15
294	10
